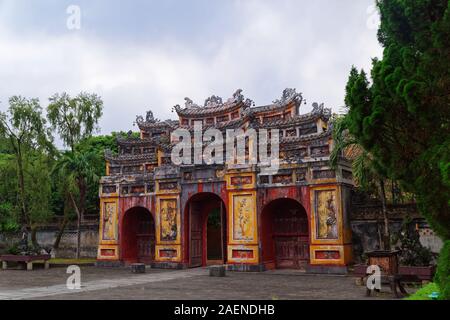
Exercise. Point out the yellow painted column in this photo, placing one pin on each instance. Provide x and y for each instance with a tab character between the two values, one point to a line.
242	218
108	249
168	222
330	234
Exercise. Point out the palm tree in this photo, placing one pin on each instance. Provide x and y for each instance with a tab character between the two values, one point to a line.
367	174
77	169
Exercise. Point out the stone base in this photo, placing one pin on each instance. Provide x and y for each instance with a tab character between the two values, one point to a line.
246	267
109	264
168	265
217	271
326	269
138	268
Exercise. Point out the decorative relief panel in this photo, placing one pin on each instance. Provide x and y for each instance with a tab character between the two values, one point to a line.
326	214
168	253
243	254
109	221
114	170
236	181
324	174
244	222
320	151
328	254
168	185
109	189
282	179
169	227
301	175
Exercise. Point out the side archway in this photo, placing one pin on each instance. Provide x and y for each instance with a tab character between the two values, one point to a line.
205	214
138	236
285	234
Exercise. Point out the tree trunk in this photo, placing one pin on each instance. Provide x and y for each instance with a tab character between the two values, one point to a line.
61	230
79	237
386	234
78	225
81	210
23	207
33	237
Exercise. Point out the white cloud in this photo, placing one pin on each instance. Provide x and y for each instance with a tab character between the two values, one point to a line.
276	45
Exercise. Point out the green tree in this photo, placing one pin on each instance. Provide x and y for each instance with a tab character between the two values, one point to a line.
402	118
97	145
75	119
8	194
78	171
368	176
25	129
39	191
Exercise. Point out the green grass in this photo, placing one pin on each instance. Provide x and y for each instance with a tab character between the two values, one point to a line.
424	292
71	261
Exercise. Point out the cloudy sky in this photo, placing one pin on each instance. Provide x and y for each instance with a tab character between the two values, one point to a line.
141	55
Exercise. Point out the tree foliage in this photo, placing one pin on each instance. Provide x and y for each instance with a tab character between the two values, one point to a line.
402	117
24	129
75	118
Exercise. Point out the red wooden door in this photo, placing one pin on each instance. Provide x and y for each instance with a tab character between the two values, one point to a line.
291	239
146	239
195	235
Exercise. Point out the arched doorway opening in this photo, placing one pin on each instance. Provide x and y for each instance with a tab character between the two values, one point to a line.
285	235
206	217
138	236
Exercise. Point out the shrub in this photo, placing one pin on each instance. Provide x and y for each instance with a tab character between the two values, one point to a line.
413	253
424	292
443	271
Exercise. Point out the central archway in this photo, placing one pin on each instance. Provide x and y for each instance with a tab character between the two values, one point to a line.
138	236
285	235
206	216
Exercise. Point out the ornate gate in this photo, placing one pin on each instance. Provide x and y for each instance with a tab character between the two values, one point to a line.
290	236
195	234
146	239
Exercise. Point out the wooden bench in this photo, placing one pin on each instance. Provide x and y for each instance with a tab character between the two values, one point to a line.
28	260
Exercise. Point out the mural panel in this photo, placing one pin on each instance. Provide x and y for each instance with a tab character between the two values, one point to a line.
326	214
243	218
109	221
169	228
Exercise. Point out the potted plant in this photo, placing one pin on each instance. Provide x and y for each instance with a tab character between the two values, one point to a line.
414	258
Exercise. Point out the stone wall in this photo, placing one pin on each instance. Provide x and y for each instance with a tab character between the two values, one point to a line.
367	223
67	248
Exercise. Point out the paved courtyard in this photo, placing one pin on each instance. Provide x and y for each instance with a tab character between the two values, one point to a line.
195	284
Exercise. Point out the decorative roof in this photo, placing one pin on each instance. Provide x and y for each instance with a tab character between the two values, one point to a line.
289	95
137	142
213	105
150	157
306	138
152	123
318	113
